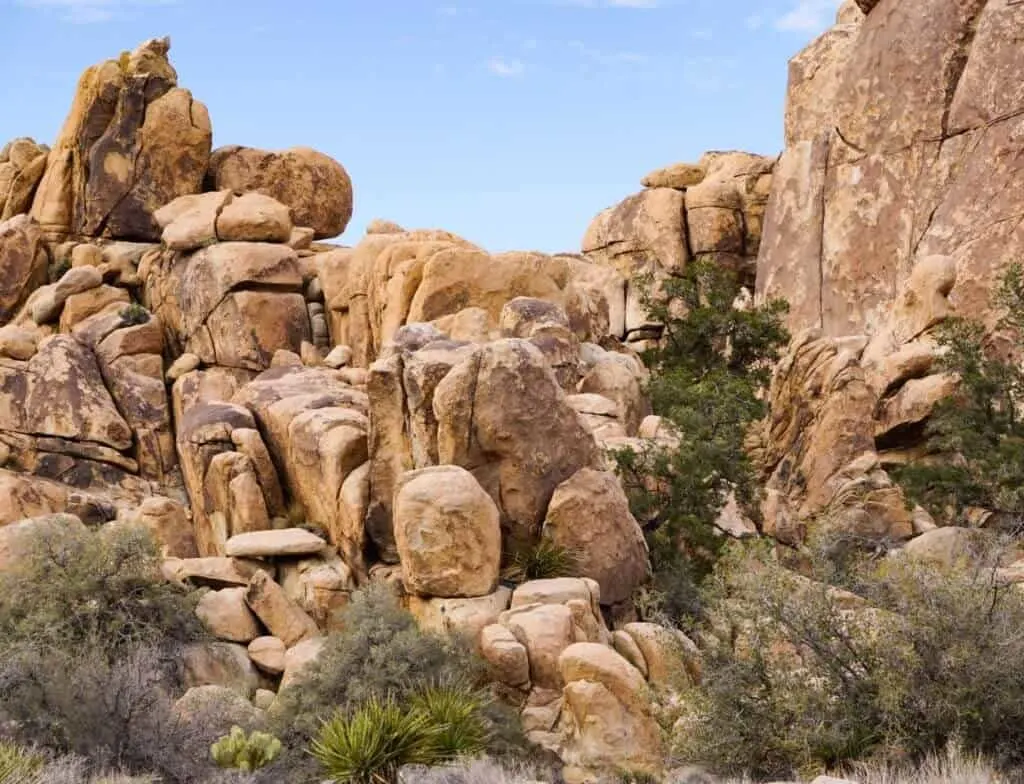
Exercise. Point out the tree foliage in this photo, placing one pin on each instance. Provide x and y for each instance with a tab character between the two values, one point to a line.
707	375
976	436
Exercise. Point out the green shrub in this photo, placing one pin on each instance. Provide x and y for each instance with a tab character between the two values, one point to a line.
134	314
369	745
801	677
19	765
58	268
456	710
98	587
541	561
976	436
381	652
245	752
707	372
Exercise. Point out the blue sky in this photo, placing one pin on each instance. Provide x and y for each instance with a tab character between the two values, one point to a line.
511	122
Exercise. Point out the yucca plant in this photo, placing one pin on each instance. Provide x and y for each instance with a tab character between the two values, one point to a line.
369	745
542	561
455	710
19	765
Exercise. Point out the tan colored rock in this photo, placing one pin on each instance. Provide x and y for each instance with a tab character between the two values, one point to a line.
226	616
190	222
679	176
298	659
946	546
670	657
216	571
447	532
315	187
644	232
224	664
612	379
321	586
466	617
339	357
519	446
186	363
268	653
545	630
558	590
254	217
102	299
381	226
283	618
626	646
589	514
132	142
506	656
24	259
22	163
607	717
287	542
45	304
18	342
17	538
169	524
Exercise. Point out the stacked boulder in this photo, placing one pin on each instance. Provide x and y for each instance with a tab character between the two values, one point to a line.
293	419
710	211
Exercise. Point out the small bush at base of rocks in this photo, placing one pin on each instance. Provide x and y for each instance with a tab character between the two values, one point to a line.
482	770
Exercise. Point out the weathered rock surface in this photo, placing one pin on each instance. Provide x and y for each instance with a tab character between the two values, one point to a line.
316	188
132	142
22	163
447	532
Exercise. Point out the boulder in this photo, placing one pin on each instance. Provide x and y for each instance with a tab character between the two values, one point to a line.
224	664
283	618
22	163
447	532
606	719
544	630
24	259
519	446
466	617
315	188
132	142
254	217
268	653
216	709
589	515
507	657
226	616
286	542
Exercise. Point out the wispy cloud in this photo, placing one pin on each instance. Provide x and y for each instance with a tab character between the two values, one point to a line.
90	11
808	16
505	67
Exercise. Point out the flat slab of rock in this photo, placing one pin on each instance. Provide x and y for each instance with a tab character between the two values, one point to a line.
270	544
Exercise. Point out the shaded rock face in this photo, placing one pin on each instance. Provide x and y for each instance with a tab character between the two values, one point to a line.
22	163
132	142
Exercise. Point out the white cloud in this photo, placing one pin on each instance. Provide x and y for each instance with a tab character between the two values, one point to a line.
506	68
808	16
90	11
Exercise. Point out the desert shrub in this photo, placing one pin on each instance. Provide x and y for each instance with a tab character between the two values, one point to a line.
245	752
58	268
542	560
18	764
380	654
455	711
134	314
951	766
802	677
976	436
706	375
90	639
100	587
369	744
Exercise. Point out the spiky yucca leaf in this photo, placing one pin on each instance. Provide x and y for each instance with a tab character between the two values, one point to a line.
455	710
371	744
542	561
